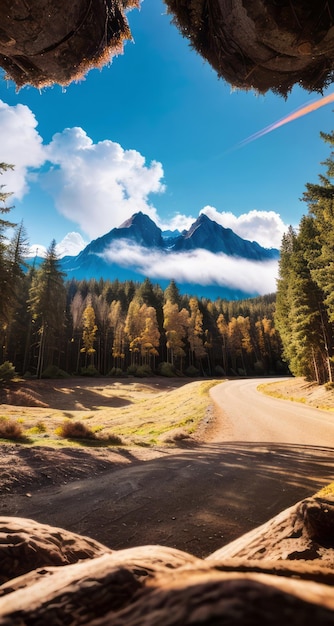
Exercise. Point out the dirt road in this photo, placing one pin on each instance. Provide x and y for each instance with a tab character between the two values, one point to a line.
197	498
252	416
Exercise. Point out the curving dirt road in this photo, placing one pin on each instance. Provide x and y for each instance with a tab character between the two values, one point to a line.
252	416
261	455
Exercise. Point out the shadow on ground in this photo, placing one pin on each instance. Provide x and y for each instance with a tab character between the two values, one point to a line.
196	499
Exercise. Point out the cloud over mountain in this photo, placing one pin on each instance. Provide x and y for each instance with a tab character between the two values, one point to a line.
265	227
197	266
97	185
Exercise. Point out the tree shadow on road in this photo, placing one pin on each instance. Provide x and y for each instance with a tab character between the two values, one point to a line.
196	499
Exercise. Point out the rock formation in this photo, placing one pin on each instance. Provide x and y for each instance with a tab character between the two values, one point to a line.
260	44
282	572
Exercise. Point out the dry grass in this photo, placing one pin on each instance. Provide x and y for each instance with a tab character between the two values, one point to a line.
10	429
300	390
114	413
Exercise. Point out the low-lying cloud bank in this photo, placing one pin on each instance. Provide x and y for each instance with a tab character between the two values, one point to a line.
197	267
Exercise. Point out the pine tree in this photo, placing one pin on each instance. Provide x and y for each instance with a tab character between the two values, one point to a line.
48	305
15	253
5	287
320	200
172	293
300	315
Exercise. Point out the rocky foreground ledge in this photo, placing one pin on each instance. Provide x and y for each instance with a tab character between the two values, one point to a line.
279	573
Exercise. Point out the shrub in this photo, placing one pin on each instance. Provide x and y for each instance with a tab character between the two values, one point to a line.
167	369
329	386
117	372
259	367
112	439
10	429
38	429
219	371
141	371
192	371
52	371
7	371
28	375
75	430
89	371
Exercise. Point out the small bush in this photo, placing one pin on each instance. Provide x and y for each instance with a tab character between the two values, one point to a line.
75	430
219	371
38	429
89	371
28	375
140	371
329	386
116	372
258	368
7	371
113	440
10	429
143	371
167	369
52	371
192	371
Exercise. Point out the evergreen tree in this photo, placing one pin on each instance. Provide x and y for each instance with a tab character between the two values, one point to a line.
15	252
320	199
300	316
48	305
5	287
172	293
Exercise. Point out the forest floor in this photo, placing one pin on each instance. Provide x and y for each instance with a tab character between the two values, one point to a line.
51	483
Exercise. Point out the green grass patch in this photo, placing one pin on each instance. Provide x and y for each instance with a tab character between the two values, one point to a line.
326	492
138	414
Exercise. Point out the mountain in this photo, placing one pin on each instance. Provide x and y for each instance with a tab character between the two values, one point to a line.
208	235
109	256
139	229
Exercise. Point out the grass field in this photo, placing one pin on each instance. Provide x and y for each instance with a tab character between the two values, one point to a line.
117	413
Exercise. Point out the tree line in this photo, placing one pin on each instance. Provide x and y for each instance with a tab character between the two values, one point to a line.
305	291
51	325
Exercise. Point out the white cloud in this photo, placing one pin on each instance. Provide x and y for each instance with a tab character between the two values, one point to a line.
99	185
21	146
199	266
178	222
265	227
71	245
36	249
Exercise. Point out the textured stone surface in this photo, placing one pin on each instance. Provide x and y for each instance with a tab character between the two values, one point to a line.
269	576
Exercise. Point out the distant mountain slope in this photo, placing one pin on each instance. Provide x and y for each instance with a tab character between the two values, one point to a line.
208	235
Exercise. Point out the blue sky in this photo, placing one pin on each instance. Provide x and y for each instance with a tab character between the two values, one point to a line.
156	131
